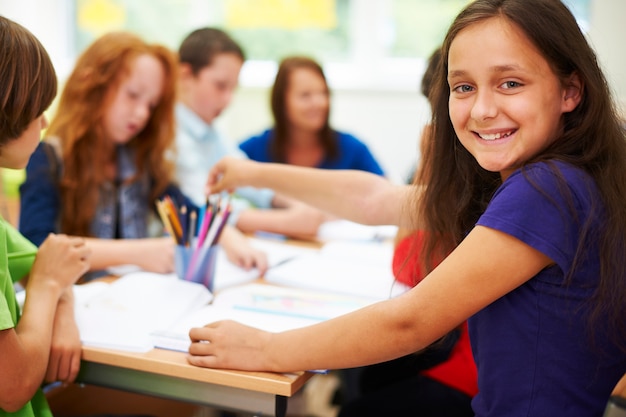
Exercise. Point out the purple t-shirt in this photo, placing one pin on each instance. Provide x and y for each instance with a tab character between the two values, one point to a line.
532	348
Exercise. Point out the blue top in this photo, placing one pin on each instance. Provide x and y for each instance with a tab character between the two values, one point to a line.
40	205
531	346
353	154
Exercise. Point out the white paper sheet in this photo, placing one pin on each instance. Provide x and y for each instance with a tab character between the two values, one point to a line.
266	307
122	314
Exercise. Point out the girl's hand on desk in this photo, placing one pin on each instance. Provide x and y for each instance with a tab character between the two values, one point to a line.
228	345
62	259
157	255
65	349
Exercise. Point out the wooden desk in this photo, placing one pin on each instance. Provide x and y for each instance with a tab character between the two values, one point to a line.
167	374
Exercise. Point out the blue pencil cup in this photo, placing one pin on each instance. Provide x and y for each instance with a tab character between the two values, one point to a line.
196	265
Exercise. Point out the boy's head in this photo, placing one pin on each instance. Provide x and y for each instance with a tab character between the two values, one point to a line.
28	82
210	62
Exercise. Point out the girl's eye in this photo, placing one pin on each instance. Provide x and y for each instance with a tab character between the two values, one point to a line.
463	88
510	84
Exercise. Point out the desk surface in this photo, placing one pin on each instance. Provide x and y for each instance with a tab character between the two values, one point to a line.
167	374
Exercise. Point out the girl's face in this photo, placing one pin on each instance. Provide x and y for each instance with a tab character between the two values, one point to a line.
210	91
16	153
307	100
135	99
505	102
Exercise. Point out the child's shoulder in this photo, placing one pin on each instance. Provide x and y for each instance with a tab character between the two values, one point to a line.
553	177
551	172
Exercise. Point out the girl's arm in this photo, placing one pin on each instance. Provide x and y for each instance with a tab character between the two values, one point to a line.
465	282
60	261
296	220
151	254
354	195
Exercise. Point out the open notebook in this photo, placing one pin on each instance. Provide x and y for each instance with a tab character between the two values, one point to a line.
121	315
266	307
142	309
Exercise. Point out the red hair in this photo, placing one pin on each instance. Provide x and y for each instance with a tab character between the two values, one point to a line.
78	124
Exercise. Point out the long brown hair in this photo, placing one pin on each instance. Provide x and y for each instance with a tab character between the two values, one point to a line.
78	122
28	82
327	136
458	189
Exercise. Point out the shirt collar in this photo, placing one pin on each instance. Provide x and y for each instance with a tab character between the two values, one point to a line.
193	125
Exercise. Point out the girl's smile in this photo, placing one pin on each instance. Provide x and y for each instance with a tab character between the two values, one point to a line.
496	136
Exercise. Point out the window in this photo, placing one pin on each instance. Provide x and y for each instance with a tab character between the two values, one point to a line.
371	44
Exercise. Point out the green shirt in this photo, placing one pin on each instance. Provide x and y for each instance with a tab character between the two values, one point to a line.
17	255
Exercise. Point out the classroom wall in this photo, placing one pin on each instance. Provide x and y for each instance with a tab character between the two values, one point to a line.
389	121
607	34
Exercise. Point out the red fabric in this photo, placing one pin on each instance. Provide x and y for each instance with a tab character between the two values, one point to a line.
459	371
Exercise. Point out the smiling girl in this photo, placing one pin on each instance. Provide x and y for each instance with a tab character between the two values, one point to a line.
527	194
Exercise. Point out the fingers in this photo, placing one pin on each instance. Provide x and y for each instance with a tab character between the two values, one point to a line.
201	351
213	183
220	177
74	367
246	262
203	361
53	368
251	260
261	263
200	334
63	367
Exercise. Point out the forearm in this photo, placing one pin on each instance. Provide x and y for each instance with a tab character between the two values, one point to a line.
35	325
276	221
26	348
316	347
354	195
112	252
65	306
